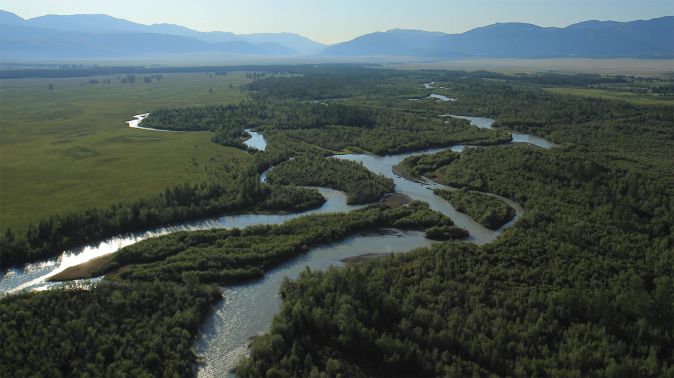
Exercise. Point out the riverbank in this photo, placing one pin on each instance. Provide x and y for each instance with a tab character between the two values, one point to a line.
394	200
400	171
84	270
364	257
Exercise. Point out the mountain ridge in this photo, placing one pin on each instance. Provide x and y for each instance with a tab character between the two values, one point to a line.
293	44
101	36
592	39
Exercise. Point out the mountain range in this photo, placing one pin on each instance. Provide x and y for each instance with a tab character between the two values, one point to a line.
96	36
590	39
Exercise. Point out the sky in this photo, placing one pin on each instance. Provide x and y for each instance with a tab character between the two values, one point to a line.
332	21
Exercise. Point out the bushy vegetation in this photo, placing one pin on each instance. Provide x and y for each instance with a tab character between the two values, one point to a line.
114	329
581	285
53	235
379	131
333	127
444	232
228	256
418	166
608	132
485	210
359	184
142	320
228	122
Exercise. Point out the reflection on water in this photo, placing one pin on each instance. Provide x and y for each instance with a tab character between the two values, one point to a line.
256	140
135	124
441	97
486	123
34	275
247	310
424	192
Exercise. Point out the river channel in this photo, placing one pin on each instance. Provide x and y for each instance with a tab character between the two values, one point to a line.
246	310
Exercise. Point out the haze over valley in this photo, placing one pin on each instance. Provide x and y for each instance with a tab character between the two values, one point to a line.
492	199
55	37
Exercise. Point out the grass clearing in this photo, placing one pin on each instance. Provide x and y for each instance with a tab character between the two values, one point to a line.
636	67
634	98
69	149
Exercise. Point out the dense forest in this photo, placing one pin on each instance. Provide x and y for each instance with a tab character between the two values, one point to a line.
114	329
419	166
581	285
488	211
382	132
229	121
53	235
228	256
333	127
141	320
359	184
608	132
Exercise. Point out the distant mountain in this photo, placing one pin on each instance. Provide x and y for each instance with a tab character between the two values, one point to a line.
26	42
302	45
593	39
102	36
91	23
397	42
7	18
82	36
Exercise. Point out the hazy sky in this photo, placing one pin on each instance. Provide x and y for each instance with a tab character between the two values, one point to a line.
331	21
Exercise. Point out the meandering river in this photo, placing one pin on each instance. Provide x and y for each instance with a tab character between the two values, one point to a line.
247	309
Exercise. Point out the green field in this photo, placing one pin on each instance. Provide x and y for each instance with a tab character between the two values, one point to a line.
636	67
635	98
69	148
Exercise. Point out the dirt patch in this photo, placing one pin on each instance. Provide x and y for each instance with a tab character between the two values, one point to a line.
84	270
364	257
394	200
398	170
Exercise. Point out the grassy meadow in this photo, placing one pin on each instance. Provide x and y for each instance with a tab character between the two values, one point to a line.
69	148
636	67
634	98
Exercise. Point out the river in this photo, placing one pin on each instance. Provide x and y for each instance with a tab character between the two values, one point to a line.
255	141
247	309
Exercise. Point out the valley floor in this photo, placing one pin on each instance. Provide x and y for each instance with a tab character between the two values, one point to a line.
579	283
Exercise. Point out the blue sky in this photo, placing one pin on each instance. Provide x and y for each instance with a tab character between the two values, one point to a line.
331	21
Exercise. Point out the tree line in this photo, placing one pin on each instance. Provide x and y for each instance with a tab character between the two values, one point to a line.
231	256
581	285
359	184
486	210
52	235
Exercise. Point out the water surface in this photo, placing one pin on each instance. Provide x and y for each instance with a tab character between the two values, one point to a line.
33	276
247	310
135	124
487	123
256	140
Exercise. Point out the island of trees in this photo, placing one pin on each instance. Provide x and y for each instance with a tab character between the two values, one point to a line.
486	210
359	184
